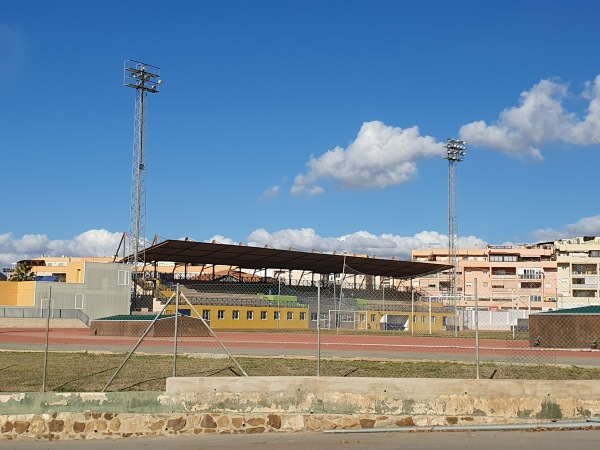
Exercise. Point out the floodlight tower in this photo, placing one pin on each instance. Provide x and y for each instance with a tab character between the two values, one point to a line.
145	79
455	153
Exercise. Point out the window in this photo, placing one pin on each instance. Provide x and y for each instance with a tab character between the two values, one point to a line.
249	315
302	315
206	314
363	318
444	320
235	315
277	315
372	317
414	319
345	317
123	277
263	315
505	258
423	319
221	314
78	301
432	319
290	315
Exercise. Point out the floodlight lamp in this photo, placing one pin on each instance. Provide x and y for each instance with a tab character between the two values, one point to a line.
159	81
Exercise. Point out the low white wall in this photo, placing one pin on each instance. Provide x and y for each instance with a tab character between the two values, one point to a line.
494	399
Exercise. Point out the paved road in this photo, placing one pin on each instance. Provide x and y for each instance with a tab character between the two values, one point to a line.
301	344
488	440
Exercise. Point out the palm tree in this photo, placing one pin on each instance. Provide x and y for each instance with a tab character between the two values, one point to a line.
23	273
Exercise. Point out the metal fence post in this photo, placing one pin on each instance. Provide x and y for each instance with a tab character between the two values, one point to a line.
47	337
319	330
476	329
175	334
412	309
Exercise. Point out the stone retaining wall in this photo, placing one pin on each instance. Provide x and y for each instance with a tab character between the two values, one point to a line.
90	425
193	406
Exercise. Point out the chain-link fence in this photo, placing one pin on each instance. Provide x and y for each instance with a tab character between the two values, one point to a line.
351	325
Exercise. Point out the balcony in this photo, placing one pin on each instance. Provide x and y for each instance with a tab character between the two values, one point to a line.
530	276
583	294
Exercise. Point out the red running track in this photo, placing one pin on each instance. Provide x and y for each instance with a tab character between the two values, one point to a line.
393	346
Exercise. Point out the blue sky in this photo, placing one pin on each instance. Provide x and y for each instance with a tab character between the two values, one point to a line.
310	124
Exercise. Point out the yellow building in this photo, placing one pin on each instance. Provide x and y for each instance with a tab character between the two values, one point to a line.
245	317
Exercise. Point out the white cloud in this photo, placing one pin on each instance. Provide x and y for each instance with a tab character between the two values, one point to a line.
539	119
90	243
587	131
587	226
218	239
361	242
270	193
30	246
379	157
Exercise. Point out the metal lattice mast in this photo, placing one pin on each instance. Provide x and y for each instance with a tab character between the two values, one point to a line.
455	153
143	78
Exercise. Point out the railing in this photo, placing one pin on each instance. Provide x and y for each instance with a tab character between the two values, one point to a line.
531	276
592	286
10	312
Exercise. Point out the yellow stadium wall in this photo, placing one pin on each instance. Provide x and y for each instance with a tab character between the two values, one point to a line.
290	318
17	293
419	322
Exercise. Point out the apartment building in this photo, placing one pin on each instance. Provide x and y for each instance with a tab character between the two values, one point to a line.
502	277
578	262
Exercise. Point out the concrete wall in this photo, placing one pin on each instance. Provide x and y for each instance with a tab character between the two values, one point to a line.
102	294
288	404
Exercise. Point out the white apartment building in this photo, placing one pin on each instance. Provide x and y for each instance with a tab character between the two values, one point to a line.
578	263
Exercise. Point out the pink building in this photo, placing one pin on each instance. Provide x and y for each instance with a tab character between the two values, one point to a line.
503	277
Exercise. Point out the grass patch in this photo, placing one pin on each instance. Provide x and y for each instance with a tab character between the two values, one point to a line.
89	372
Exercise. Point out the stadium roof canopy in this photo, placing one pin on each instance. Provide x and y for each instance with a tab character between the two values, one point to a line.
243	256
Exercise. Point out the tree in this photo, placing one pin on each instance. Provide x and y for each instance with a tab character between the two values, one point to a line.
23	273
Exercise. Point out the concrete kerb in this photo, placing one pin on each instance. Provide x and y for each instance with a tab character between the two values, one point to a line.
291	404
